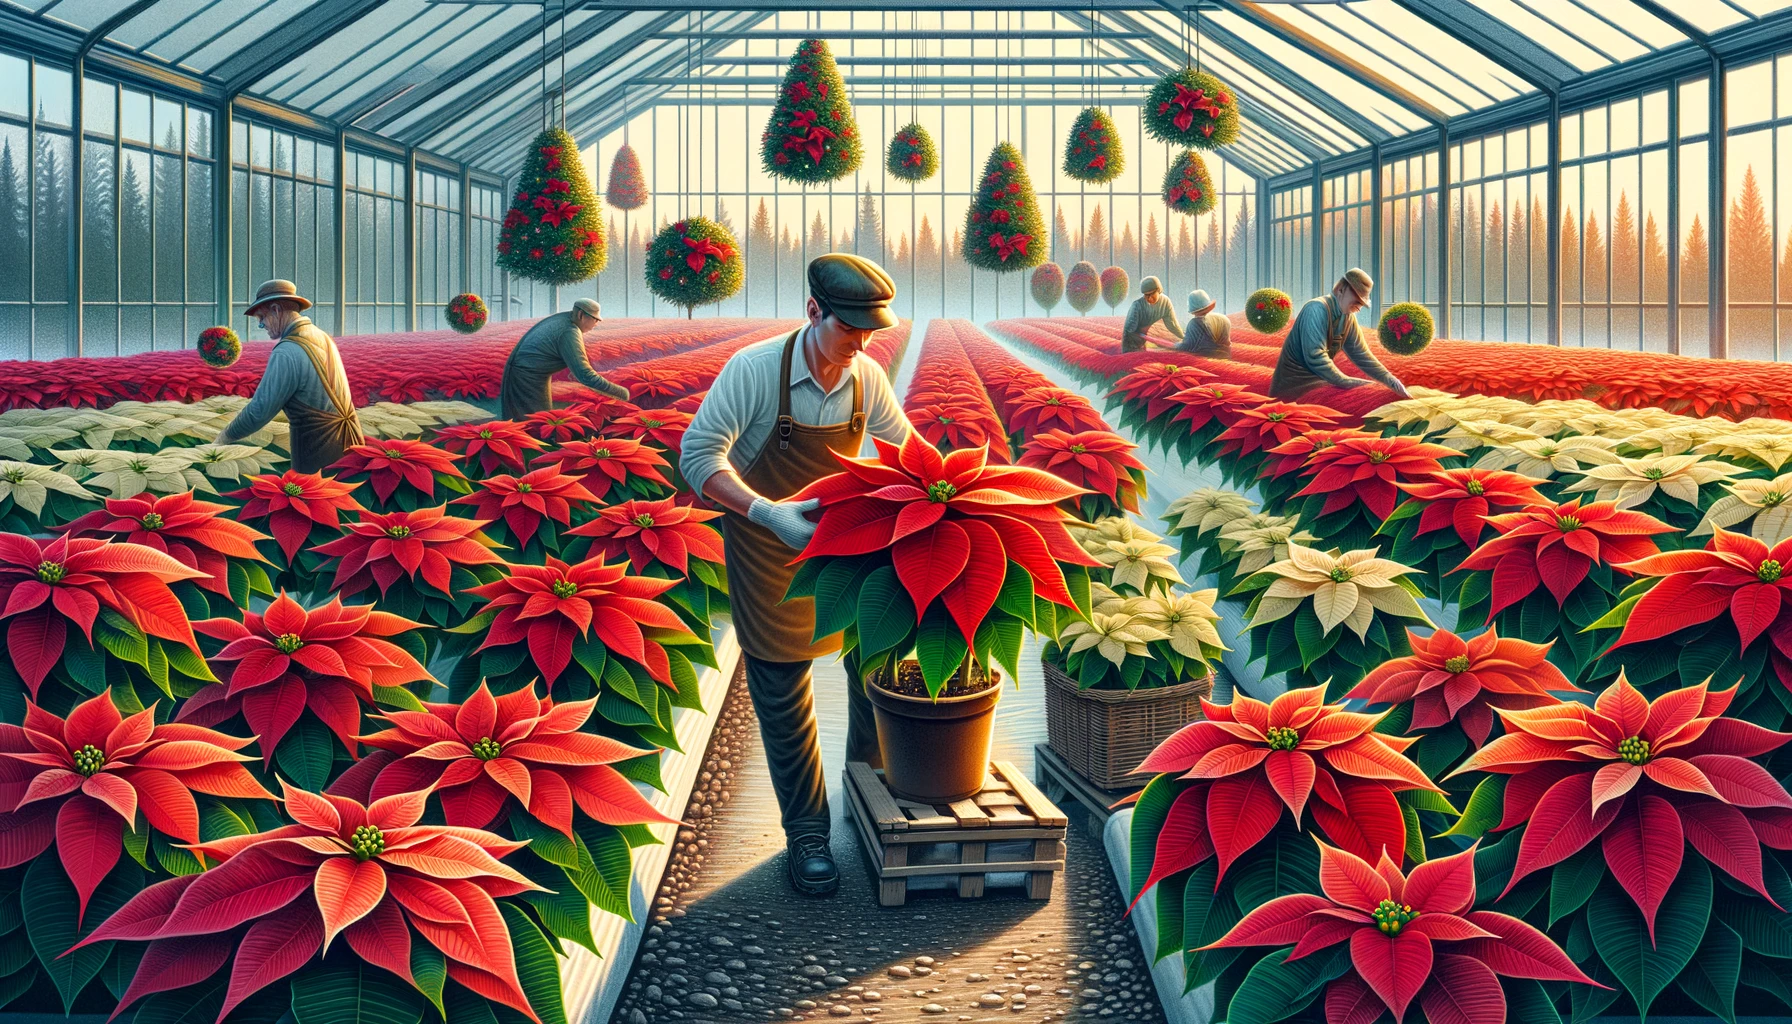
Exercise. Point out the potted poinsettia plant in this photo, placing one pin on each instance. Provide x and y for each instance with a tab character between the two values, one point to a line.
665	540
1443	518
402	473
529	512
1099	461
1301	603
613	469
1120	681
1353	486
931	567
423	563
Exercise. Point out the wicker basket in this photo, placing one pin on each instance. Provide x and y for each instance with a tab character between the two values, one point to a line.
1105	734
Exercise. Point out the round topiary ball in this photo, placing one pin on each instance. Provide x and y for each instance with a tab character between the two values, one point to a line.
467	313
1115	286
1268	310
1406	328
1083	286
219	346
912	156
1048	285
693	263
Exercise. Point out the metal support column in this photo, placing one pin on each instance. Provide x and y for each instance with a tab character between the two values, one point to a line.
466	229
341	232
1375	239
1318	231
410	238
1719	234
223	210
77	177
1673	214
1553	201
1265	235
1443	231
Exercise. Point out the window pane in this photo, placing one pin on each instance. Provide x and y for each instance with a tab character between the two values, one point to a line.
15	94
201	269
51	217
100	227
169	130
170	231
99	107
54	103
15	206
199	132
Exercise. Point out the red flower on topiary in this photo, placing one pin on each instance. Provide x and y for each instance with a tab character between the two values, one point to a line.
82	780
385	548
1556	545
397	460
278	663
1643	777
646	532
477	754
1368	470
600	465
367	873
1463	497
498	443
1256	757
1451	679
551	605
951	523
196	533
1399	927
293	503
523	502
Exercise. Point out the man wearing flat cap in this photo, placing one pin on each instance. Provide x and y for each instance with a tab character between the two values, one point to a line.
1150	307
304	379
1324	327
556	343
771	424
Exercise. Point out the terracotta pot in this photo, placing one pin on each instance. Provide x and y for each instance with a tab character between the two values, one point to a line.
935	751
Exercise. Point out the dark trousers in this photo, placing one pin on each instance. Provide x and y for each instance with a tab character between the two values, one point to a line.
783	700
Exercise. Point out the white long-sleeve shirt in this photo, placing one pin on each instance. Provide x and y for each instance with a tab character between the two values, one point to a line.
740	412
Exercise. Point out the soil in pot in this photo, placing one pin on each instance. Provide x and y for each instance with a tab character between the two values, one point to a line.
910	683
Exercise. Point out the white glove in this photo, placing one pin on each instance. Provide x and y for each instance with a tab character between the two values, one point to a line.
786	519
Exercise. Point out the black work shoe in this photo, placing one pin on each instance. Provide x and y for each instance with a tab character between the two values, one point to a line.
810	864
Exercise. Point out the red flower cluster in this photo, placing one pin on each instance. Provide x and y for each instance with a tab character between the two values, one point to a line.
945	401
390	463
523	502
1556	546
197	533
650	532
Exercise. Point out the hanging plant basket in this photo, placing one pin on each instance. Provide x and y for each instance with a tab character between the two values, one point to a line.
811	137
467	313
1115	286
1188	188
1092	153
1048	285
1083	286
554	232
1003	230
628	186
1268	310
693	263
1406	328
912	154
219	346
1192	108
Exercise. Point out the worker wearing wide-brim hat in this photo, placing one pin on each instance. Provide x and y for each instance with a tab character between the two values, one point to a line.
770	425
1208	333
556	343
304	378
1324	327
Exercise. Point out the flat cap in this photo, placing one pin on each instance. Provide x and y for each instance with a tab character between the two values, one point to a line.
856	289
1359	281
1150	284
589	307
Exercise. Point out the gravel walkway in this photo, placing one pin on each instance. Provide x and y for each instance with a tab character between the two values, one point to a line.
730	941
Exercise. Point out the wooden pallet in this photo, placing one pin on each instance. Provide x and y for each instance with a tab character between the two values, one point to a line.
903	839
1062	782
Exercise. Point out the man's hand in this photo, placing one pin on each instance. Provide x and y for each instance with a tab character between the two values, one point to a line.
615	390
786	519
1399	388
1353	382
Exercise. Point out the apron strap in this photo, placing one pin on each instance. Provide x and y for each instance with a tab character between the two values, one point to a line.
325	364
785	422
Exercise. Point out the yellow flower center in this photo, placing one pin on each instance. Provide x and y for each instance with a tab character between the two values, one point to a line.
1457	665
398	532
51	572
368	842
1378	457
152	521
940	490
1769	571
89	760
1077	449
393	453
564	589
1567	524
287	643
1282	737
1390	917
486	748
1341	574
292	490
485	435
1653	472
644	520
1634	750
1772	498
1476	488
524	488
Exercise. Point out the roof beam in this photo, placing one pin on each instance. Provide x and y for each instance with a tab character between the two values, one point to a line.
1285	76
793	35
290	39
1495	40
1326	53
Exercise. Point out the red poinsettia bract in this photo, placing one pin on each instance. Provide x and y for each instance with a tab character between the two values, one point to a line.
558	425
196	533
46	585
1211	402
1643	777
497	443
523	502
1254	758
286	659
1451	679
1368	470
399	460
1040	409
1733	573
1271	425
662	531
81	781
551	605
1155	383
1094	460
600	465
293	503
1557	545
1292	455
954	423
1411	936
477	754
664	427
1462	497
369	873
384	548
951	524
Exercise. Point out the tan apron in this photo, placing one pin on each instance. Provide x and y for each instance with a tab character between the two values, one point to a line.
796	455
1292	378
321	436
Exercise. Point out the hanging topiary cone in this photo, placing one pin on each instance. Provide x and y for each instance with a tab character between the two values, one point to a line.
628	187
1092	152
811	136
1003	230
912	156
1188	188
554	232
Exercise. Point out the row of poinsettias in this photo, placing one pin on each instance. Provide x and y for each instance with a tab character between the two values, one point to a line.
1491	842
200	800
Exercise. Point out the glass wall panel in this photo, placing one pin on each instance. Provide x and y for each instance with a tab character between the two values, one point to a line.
1758	205
285	213
1614	226
438	246
1409	231
1498	229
